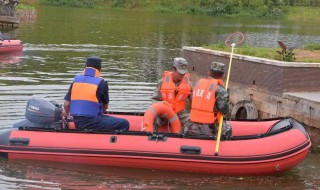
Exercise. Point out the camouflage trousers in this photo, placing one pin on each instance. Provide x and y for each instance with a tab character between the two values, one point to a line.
158	122
192	128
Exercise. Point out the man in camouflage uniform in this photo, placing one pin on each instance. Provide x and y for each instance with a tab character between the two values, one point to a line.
179	73
209	126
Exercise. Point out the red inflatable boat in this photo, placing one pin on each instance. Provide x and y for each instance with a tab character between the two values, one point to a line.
10	46
258	147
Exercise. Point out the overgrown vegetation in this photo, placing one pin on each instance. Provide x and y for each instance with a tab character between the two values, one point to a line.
259	8
300	55
70	3
24	7
28	2
303	13
286	54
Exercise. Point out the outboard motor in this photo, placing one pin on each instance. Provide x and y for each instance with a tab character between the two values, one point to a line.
43	113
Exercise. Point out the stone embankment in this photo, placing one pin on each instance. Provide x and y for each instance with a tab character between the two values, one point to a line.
26	14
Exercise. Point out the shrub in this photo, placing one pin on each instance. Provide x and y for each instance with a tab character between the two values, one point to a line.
286	54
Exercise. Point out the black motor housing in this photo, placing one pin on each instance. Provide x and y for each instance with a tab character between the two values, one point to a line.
43	112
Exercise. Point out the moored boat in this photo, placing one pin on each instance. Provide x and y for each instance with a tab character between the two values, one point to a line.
10	46
258	147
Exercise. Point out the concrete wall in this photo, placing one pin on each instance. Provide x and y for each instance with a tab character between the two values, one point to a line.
26	14
274	76
264	82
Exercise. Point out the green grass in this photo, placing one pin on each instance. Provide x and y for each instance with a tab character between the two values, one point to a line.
25	7
231	8
270	53
69	3
310	52
303	13
312	46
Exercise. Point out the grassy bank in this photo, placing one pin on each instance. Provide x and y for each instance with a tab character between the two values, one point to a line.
26	4
309	53
257	8
292	10
25	7
303	13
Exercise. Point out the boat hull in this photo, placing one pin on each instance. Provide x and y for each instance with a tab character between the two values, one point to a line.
10	46
264	168
268	154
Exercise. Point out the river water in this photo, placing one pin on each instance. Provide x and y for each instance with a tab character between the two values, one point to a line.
136	47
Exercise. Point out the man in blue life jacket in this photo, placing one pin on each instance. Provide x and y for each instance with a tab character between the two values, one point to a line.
88	98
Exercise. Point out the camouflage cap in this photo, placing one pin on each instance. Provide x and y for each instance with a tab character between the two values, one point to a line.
181	65
217	66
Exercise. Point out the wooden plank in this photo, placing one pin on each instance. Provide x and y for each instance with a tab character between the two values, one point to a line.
9	19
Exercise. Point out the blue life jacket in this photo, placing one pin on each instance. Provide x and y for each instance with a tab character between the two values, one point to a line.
84	101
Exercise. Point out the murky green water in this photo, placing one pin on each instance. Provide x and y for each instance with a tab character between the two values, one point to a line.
136	47
45	175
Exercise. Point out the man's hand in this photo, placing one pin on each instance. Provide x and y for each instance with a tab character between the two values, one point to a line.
66	110
105	107
64	114
163	116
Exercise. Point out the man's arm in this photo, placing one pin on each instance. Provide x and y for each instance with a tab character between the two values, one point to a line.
66	104
222	100
103	93
189	99
156	93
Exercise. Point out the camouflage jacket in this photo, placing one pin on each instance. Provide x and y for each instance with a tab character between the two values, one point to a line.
222	100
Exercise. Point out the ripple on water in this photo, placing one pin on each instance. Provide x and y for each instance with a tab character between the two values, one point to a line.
124	97
51	175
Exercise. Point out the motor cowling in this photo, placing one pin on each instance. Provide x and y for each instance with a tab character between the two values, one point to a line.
42	111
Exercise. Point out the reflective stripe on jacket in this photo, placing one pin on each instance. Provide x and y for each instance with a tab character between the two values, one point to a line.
84	101
203	101
175	95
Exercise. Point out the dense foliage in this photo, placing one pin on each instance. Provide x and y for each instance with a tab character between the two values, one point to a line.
71	3
260	8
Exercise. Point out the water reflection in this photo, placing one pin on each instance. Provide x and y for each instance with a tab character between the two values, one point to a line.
10	58
48	175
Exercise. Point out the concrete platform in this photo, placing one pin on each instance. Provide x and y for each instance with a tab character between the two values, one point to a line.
9	19
9	22
312	96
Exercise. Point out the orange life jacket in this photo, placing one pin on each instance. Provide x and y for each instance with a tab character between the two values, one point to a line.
175	95
203	101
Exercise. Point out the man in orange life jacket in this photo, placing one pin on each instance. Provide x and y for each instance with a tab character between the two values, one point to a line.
88	98
210	99
175	88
